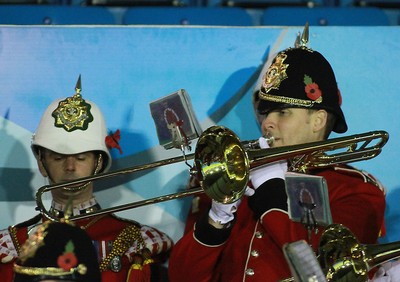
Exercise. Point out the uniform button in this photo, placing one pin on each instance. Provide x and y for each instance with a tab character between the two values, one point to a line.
249	272
259	234
255	253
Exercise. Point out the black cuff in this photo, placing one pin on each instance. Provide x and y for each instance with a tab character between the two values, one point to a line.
270	195
208	234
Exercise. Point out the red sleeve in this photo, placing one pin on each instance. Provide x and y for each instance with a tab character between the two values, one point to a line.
357	203
200	205
200	266
8	259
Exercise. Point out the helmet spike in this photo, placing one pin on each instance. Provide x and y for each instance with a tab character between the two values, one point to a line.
297	41
78	86
305	35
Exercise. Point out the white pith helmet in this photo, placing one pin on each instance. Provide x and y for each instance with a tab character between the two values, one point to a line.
72	126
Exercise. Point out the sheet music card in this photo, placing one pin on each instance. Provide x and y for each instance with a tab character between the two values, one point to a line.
308	193
303	263
175	121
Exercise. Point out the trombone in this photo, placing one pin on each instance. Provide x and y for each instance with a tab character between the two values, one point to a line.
341	257
222	164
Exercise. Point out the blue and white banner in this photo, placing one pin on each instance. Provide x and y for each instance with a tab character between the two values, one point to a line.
123	69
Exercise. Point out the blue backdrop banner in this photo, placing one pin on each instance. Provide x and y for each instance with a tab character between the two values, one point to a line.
123	69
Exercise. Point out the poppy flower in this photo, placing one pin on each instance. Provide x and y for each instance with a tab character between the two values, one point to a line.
312	89
67	261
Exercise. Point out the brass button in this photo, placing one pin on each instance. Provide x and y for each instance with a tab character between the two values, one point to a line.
259	234
255	253
249	272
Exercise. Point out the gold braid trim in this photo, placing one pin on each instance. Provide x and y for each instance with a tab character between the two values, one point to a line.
148	261
288	100
49	271
136	266
13	233
122	243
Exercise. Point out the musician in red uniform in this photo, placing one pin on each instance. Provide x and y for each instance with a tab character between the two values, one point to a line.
71	142
298	102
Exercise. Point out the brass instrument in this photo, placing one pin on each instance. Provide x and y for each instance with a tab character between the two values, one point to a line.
343	258
222	164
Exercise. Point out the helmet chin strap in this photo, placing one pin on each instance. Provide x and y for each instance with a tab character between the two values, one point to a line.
80	187
83	186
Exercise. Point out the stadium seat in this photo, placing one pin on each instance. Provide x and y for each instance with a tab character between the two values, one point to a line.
388	4
54	15
259	4
140	3
332	16
187	16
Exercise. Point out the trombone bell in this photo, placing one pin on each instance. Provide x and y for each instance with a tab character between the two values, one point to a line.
222	165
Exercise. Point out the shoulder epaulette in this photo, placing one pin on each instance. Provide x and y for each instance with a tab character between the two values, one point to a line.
33	221
366	176
14	229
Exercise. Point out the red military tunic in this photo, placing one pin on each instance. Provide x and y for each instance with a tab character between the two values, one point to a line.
103	230
253	250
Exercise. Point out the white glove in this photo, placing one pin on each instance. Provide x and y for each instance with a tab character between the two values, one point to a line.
263	143
223	213
388	272
273	170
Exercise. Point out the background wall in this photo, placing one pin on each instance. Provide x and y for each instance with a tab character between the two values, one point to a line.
125	68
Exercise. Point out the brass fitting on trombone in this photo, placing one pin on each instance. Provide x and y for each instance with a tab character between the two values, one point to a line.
255	144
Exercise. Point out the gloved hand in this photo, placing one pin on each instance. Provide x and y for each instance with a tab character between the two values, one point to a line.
224	213
273	170
388	272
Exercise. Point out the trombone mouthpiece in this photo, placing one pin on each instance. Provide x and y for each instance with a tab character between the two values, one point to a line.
269	138
260	143
266	140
